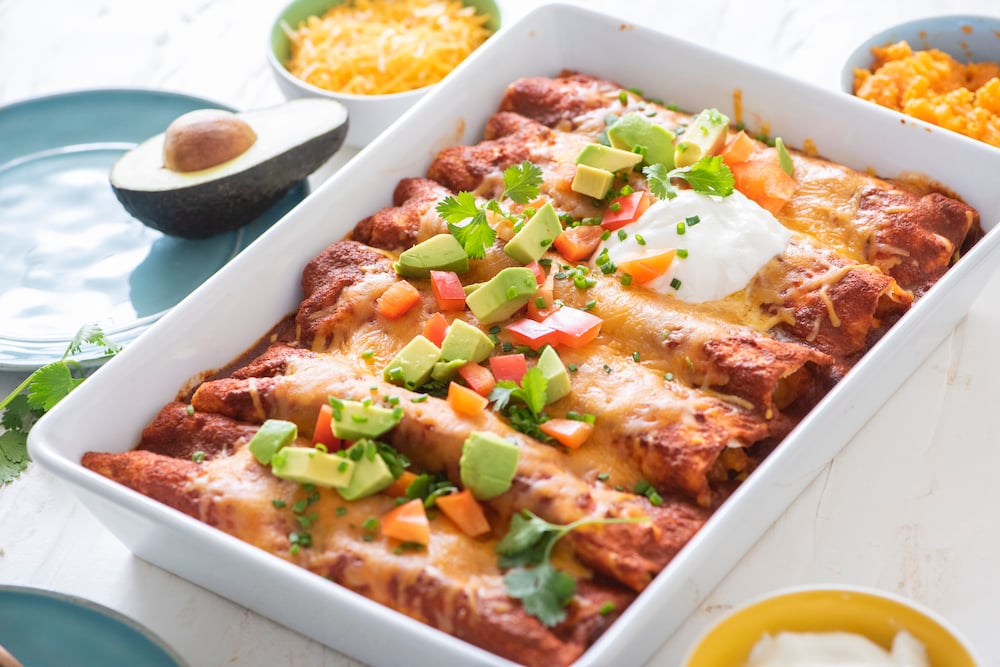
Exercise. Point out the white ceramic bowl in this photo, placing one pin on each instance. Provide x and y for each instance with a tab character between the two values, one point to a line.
965	38
369	115
871	613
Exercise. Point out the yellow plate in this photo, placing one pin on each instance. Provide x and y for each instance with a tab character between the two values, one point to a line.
875	615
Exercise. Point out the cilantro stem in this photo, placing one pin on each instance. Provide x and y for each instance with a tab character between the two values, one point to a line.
17	390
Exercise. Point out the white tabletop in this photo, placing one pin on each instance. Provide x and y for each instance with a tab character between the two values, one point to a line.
908	506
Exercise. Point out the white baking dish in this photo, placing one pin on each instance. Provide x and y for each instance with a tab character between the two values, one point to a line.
229	312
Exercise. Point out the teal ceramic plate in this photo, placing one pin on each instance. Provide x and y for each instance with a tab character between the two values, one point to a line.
46	628
69	253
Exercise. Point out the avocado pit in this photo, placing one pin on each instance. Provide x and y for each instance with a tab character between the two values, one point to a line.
205	138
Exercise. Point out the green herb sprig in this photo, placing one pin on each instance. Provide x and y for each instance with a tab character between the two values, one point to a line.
467	219
543	589
707	176
38	394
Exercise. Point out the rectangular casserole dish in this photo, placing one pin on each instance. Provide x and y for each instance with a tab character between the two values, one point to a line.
247	297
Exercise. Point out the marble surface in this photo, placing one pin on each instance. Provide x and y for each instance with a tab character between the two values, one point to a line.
906	507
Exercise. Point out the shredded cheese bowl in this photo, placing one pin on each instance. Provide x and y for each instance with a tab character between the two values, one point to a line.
834	612
942	70
377	57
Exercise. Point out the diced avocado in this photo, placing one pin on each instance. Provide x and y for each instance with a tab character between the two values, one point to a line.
502	295
413	365
371	475
592	181
551	366
445	370
704	136
464	341
633	132
439	253
272	435
353	420
306	465
604	157
535	237
488	464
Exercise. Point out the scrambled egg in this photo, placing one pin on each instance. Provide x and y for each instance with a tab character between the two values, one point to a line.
934	87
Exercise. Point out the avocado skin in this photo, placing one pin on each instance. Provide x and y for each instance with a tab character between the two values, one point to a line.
227	203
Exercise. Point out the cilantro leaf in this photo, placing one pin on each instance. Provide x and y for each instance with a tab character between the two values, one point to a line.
429	488
658	179
527	422
93	334
18	416
526	530
533	386
501	394
521	182
708	176
13	455
543	590
50	384
458	208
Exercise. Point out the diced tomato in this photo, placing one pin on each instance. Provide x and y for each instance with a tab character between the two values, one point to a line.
537	269
531	333
436	328
575	327
739	148
408	523
323	432
567	432
465	511
762	179
509	367
398	488
397	300
479	378
645	268
579	243
625	209
448	290
542	304
465	401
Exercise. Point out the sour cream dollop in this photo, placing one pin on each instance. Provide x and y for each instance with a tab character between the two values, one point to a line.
730	240
835	649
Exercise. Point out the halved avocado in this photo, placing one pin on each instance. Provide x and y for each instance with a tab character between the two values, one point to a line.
292	141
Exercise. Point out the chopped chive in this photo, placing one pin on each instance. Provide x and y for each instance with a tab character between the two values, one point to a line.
190	409
607	369
371	523
590	305
603	476
321	447
419	399
341	511
692	220
635	357
623	98
615	207
626	190
495	329
675	283
605	236
622	235
571	368
198	456
626	279
368	354
540	302
668	377
639	239
681	228
278	503
682	253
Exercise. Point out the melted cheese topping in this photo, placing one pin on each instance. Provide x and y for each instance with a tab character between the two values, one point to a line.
733	239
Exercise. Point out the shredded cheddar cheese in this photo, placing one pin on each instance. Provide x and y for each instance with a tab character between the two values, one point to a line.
933	86
377	47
